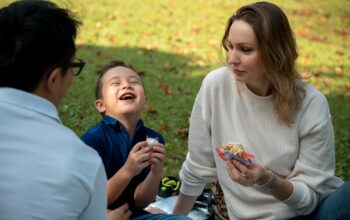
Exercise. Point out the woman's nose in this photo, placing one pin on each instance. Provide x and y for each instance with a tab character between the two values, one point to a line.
233	57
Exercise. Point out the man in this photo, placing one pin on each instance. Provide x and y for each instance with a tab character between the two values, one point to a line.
46	172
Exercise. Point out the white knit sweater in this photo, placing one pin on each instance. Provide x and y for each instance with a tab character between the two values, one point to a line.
303	153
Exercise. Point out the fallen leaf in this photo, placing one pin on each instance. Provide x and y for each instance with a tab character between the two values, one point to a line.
163	127
340	53
111	39
167	66
98	24
300	12
338	70
165	88
151	110
183	132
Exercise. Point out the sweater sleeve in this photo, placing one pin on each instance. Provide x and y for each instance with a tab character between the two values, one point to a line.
313	174
199	166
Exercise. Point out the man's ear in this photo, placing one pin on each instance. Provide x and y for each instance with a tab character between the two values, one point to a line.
53	79
100	106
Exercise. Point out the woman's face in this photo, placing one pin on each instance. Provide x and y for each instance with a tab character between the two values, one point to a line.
243	57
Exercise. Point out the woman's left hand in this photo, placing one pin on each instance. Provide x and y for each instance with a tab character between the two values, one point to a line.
246	175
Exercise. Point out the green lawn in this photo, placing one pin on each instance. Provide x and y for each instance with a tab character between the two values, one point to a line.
176	42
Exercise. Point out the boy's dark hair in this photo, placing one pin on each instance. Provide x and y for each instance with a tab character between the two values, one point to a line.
105	68
36	36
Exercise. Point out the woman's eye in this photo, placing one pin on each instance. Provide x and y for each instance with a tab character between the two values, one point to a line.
246	49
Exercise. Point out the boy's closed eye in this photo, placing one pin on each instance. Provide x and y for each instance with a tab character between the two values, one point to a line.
115	83
134	80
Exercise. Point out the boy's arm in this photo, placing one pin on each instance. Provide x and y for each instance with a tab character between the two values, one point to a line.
147	190
137	160
117	184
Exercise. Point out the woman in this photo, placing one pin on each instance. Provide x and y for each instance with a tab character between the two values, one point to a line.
260	101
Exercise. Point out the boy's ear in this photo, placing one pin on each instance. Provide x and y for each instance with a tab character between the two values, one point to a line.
100	106
146	102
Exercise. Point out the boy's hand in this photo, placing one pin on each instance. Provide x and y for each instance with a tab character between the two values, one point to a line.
138	159
158	157
121	213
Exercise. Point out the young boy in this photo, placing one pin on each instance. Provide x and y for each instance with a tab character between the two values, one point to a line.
133	168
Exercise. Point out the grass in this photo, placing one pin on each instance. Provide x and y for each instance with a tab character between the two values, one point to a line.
177	42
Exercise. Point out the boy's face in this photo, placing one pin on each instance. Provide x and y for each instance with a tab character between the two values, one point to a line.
122	94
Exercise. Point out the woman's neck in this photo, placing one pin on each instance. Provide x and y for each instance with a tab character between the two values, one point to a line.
260	89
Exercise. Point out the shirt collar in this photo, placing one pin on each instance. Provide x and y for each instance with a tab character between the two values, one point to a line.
108	120
29	101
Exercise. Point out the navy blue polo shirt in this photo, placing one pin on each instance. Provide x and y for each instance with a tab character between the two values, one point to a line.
112	142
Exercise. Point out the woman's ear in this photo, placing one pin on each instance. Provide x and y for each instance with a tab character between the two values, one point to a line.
100	107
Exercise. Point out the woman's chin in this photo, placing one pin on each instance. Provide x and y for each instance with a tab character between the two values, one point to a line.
239	78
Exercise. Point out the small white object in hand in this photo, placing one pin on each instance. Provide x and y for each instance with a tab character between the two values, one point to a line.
151	141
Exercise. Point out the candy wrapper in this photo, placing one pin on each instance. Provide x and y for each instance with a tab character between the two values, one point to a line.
151	142
234	151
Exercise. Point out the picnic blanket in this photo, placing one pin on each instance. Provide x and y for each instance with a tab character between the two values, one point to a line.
167	206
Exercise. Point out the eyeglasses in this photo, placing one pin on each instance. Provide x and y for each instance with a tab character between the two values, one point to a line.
77	66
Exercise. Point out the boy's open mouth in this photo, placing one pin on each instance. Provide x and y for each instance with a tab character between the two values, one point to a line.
127	96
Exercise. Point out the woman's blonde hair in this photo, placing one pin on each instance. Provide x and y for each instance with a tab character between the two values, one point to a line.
277	48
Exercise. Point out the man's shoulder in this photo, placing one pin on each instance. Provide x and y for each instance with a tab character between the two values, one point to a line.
80	159
74	145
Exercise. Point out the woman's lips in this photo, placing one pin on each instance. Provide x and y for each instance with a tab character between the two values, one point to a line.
238	72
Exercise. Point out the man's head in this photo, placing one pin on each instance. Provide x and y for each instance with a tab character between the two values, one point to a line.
119	91
36	40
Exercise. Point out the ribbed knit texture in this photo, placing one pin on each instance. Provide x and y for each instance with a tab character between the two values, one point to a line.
226	110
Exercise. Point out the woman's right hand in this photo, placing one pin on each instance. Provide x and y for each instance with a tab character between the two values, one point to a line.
184	204
121	213
139	158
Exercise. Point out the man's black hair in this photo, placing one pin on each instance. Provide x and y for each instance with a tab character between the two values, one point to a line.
35	37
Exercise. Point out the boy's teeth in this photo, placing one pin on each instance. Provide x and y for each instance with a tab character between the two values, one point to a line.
125	97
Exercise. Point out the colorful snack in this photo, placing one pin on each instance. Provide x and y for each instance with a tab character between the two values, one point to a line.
234	151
